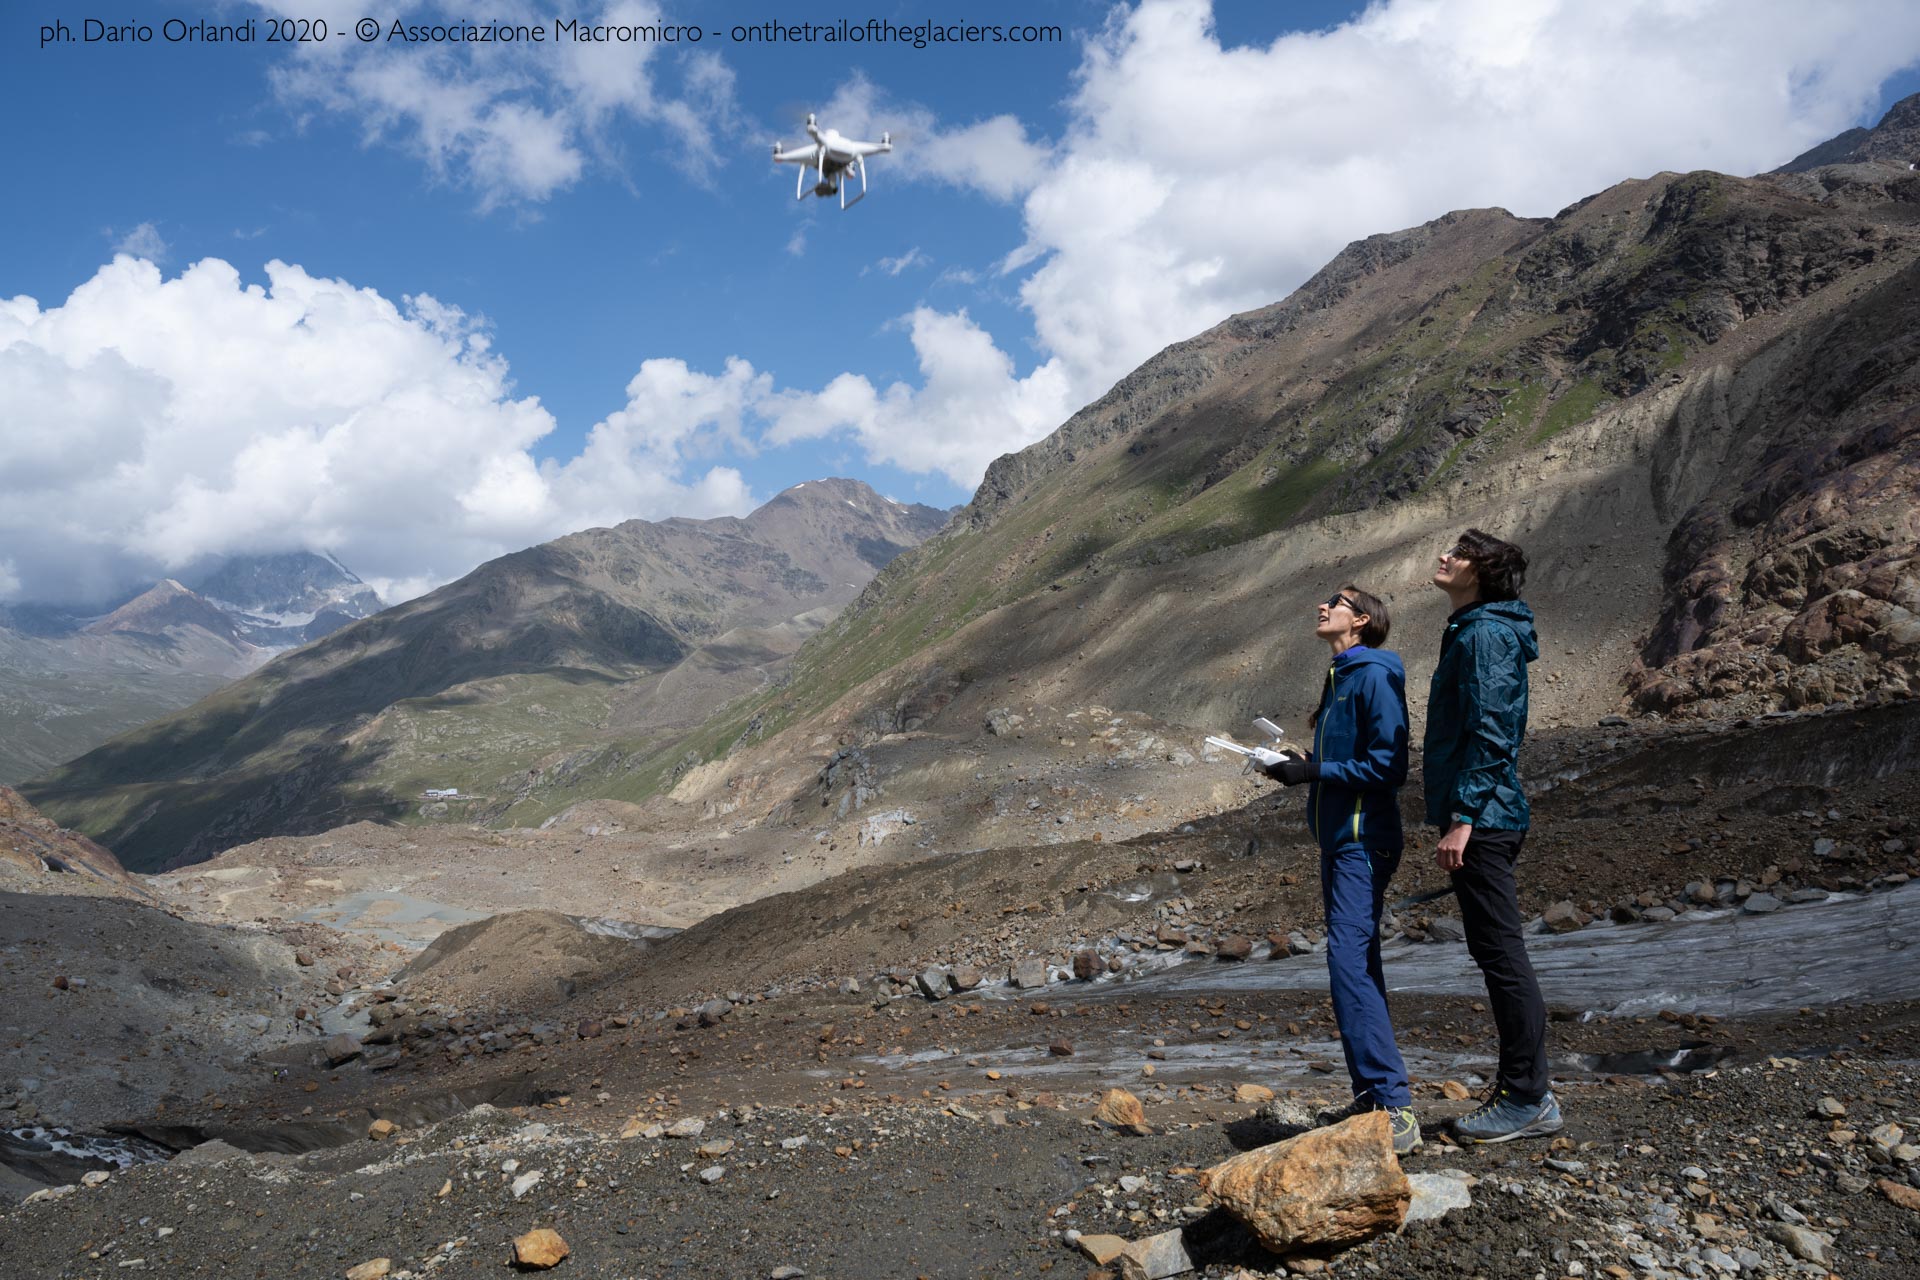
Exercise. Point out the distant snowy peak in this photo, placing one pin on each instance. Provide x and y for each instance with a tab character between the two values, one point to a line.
288	599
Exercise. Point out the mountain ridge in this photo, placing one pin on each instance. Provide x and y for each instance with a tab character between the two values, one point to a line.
532	648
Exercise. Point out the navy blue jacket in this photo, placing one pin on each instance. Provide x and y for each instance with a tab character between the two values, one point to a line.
1360	752
1477	717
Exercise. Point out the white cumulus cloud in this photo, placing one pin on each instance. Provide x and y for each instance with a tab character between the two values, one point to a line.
152	421
1194	180
515	122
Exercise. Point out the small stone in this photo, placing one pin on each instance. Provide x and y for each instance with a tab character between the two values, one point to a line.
715	1149
341	1049
1900	1193
1760	904
1234	948
1101	1249
380	1130
95	1178
527	1182
1806	1245
1086	965
1252	1093
932	983
713	1174
1564	917
1455	1091
785	1273
1061	1048
1156	1257
1435	1195
1830	1108
1028	975
373	1269
793	1144
539	1249
687	1128
1119	1109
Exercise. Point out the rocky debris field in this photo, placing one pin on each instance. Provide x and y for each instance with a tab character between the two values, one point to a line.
1780	1167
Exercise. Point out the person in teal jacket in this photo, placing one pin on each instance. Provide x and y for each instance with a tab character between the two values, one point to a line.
1476	722
1353	782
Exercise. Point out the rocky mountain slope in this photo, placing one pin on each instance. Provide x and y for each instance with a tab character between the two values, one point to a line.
1690	397
490	682
71	678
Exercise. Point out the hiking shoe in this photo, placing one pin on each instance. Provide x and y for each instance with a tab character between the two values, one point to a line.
1334	1115
1405	1129
1502	1116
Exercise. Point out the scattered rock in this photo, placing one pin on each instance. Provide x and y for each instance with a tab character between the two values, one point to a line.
1102	1249
341	1049
1086	964
539	1249
1061	1048
687	1128
380	1130
712	1174
95	1178
932	983
1028	974
1564	917
1120	1110
373	1269
1252	1093
1455	1091
1760	904
1437	1194
1333	1186
527	1182
1901	1194
1233	948
305	960
1802	1243
1155	1257
1830	1108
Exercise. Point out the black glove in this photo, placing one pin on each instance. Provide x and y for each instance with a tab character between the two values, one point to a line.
1292	771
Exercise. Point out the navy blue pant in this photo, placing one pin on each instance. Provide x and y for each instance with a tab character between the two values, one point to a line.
1353	887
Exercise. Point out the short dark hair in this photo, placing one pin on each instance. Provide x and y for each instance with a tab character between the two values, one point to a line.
1374	634
1500	566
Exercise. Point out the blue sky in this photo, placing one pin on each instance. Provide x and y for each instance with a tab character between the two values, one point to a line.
620	310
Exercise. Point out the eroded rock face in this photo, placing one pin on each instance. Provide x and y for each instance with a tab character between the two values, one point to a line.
1800	585
1332	1187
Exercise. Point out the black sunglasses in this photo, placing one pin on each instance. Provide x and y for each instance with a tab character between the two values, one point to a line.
1336	600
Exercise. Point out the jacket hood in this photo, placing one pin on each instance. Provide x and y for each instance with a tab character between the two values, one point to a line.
1360	655
1513	615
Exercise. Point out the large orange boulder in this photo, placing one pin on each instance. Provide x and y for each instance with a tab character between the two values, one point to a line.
1331	1187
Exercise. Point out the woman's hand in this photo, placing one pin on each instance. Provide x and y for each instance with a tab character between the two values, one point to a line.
1451	853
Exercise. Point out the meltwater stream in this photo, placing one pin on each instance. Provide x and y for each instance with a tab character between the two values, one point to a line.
1848	949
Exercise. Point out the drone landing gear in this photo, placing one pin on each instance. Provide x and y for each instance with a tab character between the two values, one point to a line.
860	164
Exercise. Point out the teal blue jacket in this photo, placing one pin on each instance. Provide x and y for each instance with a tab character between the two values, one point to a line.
1360	752
1477	717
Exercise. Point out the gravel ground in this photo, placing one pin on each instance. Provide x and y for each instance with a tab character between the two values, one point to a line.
1663	1178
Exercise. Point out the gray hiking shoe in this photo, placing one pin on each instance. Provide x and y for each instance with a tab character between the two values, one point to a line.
1405	1129
1503	1117
1334	1115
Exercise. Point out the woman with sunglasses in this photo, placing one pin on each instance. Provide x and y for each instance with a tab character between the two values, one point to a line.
1353	782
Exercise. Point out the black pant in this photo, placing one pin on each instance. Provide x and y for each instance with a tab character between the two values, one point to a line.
1490	910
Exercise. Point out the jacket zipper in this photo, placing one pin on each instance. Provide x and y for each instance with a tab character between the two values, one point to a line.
1319	731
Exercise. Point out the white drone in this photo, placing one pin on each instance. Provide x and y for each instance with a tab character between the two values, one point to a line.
832	157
